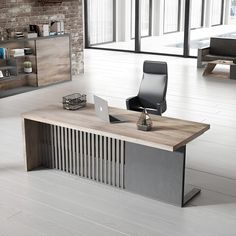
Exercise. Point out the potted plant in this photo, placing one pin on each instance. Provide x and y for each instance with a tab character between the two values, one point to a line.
28	67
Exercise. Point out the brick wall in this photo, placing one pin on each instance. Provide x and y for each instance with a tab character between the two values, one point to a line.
18	14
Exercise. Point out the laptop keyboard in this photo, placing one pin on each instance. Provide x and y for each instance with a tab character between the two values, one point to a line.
113	119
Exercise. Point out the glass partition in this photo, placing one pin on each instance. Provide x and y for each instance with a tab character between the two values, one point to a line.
100	21
171	16
112	24
166	28
217	12
196	16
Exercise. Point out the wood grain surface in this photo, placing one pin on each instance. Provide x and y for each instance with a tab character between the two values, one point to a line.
167	133
53	60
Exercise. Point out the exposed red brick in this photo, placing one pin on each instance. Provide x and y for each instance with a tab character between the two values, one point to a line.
18	14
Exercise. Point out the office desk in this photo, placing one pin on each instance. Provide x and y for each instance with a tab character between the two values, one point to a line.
148	163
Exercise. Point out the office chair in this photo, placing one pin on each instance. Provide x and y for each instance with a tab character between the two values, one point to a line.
152	92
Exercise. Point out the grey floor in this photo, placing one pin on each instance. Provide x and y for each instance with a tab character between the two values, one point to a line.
48	202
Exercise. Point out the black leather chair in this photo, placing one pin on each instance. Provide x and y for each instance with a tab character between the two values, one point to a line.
152	92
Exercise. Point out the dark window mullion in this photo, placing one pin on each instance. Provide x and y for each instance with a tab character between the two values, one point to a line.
202	16
86	25
114	20
150	17
137	26
186	28
222	11
179	15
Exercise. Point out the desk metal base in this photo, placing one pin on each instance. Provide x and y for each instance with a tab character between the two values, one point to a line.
157	174
140	169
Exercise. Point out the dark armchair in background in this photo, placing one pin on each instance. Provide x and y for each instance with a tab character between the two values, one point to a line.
152	92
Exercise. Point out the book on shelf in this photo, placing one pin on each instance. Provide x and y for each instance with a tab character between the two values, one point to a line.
17	52
3	53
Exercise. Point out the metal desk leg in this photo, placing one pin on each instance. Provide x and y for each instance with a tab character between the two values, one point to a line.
232	73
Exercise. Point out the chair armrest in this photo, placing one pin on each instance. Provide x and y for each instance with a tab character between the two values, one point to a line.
161	107
205	51
132	102
202	52
204	48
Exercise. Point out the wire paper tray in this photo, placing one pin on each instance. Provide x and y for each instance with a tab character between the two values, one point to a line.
74	101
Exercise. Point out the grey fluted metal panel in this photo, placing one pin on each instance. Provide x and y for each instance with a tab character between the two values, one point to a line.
77	153
81	153
66	147
105	159
52	146
93	156
84	154
73	168
89	155
96	154
109	161
63	167
85	158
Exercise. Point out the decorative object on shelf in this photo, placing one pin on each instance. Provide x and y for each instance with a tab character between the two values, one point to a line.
74	101
28	51
17	52
34	31
7	73
57	27
45	30
144	122
19	35
28	67
234	60
1	74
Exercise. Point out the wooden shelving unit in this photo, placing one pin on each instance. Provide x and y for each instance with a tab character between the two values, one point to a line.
50	58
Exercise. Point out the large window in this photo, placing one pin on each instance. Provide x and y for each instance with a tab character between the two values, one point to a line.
196	13
233	8
171	16
174	27
217	11
146	15
100	21
232	19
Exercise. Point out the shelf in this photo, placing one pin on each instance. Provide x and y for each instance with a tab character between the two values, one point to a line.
19	76
24	74
7	67
8	78
30	55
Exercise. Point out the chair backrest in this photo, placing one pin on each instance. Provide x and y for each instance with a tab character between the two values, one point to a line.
223	46
154	84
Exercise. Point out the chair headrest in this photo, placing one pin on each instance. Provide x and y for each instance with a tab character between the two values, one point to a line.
155	67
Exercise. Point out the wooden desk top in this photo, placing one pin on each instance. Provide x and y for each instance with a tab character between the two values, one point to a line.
167	133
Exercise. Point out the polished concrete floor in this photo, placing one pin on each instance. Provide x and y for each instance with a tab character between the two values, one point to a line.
48	202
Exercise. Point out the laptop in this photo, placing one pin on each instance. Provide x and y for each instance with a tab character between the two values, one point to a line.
101	110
